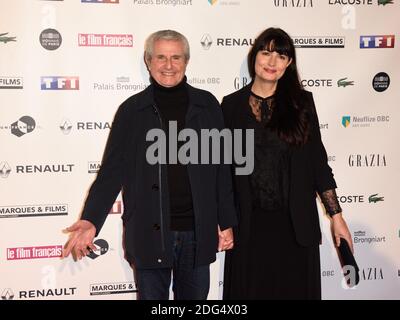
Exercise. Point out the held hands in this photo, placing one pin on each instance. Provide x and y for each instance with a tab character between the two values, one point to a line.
340	230
225	241
80	240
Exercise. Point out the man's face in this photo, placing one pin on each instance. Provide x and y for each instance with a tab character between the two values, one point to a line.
168	63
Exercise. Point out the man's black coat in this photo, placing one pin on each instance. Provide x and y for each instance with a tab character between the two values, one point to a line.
147	238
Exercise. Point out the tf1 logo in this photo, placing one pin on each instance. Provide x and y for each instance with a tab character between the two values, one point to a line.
383	41
59	83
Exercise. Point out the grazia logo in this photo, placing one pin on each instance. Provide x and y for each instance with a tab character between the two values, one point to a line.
293	4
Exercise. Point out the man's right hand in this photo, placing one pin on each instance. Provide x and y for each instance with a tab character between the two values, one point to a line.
225	239
80	240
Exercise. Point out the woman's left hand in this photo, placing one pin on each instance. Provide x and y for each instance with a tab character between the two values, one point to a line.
340	230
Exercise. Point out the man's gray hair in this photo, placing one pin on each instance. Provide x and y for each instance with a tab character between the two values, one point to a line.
165	35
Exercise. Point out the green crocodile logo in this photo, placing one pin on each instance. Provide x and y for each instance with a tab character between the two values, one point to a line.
4	38
384	2
344	83
373	198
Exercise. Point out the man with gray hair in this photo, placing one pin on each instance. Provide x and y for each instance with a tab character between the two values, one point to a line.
176	215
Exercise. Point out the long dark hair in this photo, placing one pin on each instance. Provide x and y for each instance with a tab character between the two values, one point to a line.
290	118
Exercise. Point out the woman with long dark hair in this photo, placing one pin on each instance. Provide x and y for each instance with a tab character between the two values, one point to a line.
276	254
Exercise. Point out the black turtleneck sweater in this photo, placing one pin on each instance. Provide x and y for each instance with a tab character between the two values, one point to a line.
173	104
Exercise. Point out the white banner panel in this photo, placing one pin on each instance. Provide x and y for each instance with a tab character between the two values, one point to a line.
66	66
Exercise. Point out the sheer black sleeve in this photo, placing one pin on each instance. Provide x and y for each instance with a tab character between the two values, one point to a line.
330	201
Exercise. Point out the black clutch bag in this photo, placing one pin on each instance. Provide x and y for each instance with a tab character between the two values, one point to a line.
348	262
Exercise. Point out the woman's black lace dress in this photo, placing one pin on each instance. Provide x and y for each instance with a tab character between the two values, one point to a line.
277	266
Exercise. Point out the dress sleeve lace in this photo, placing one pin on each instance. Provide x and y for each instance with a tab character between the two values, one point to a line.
330	201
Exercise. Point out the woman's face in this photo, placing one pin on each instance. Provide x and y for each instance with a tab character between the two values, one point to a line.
270	66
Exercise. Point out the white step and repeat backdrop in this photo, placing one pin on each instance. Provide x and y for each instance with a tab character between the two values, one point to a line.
65	66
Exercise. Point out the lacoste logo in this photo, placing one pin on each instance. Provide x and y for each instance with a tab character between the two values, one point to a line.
373	198
5	39
344	83
384	2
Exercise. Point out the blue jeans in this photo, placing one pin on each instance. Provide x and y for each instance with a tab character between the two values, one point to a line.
189	282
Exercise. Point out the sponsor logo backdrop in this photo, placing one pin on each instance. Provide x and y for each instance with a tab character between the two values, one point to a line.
66	66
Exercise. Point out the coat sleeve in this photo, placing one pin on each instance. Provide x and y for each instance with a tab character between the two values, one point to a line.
226	209
323	176
226	113
108	182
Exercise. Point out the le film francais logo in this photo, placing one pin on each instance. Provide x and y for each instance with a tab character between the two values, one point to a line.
105	40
